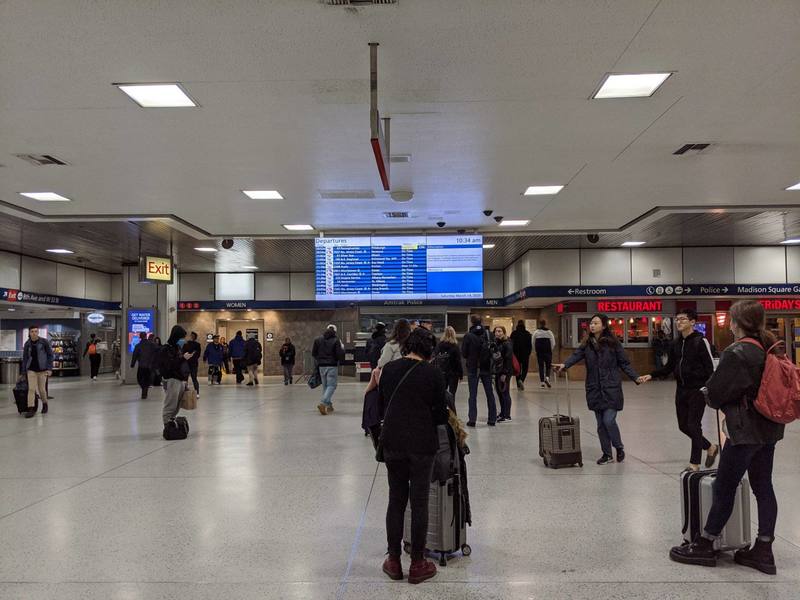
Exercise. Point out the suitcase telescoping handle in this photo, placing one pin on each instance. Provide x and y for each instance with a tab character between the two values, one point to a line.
566	392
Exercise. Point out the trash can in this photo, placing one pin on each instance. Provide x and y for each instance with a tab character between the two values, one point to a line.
9	370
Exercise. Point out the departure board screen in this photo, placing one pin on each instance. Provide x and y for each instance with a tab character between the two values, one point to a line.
399	267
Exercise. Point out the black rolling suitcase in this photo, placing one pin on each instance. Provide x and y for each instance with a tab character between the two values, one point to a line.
560	435
21	396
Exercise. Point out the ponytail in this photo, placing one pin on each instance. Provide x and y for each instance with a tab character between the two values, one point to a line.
751	318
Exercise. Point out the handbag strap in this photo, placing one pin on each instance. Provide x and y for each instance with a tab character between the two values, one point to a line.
397	387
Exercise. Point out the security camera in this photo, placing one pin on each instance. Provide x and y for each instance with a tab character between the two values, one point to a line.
227	244
593	238
440	223
499	219
488	213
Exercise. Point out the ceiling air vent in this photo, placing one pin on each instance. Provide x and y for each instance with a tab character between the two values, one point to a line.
42	160
396	214
695	148
400	158
346	194
358	2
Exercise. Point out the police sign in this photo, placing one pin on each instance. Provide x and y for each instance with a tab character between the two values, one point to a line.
155	269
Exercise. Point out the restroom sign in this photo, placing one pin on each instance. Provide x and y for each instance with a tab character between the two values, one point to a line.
155	269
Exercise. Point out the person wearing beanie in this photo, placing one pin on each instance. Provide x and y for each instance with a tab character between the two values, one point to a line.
328	351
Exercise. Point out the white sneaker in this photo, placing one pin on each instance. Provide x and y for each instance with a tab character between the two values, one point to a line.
542	385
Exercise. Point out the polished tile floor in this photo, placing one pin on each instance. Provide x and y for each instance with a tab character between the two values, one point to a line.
269	499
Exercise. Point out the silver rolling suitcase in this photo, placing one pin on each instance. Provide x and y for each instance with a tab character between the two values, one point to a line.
560	435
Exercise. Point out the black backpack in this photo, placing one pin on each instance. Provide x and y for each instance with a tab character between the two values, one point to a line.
442	361
487	351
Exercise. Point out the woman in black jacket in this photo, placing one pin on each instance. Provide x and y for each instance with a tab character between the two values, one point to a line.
448	360
503	371
750	447
413	403
604	358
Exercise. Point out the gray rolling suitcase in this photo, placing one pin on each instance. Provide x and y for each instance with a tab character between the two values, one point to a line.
447	527
696	499
560	435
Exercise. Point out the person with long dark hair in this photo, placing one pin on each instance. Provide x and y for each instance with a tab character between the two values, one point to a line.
392	349
503	371
522	341
750	447
604	357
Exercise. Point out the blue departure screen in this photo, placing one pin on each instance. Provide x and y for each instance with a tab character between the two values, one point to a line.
399	268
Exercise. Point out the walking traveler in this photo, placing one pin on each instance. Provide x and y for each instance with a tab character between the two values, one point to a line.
375	345
173	364
95	358
226	354
392	349
157	382
237	356
288	355
214	355
144	354
192	346
447	358
413	403
503	371
116	358
37	365
328	351
543	343
521	340
604	357
477	349
253	355
689	358
750	447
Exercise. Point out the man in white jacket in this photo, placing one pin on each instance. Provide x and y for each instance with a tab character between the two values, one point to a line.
543	344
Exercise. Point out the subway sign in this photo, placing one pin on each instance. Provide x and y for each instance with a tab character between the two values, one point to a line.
614	306
155	269
780	303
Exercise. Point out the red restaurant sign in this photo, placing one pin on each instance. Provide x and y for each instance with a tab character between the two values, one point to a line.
612	306
781	303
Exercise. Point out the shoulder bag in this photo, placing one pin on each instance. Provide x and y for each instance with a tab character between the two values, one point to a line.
379	450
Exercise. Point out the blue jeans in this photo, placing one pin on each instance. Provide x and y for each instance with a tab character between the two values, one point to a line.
486	379
330	379
756	460
608	430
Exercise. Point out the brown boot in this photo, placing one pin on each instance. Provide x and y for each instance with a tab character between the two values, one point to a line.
421	570
758	557
393	567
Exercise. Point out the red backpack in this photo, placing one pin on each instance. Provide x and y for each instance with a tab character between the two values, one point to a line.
779	393
515	365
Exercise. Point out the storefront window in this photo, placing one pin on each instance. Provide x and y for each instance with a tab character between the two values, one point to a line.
638	330
617	327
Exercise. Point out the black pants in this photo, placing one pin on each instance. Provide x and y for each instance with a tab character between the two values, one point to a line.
94	364
503	395
689	408
524	366
144	377
473	378
238	366
193	375
409	477
452	384
756	460
545	365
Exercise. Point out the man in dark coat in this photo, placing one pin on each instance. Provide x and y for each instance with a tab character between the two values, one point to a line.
521	340
144	354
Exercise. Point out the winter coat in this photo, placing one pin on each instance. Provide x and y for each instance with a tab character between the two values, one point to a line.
471	350
192	347
236	347
603	379
144	353
375	347
391	351
328	350
521	340
214	354
170	362
287	354
689	360
733	387
506	364
253	353
448	358
44	354
544	342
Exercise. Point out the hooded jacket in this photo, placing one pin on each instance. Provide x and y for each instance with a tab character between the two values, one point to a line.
375	346
214	354
689	359
172	364
328	350
253	353
521	340
144	353
236	347
471	350
603	380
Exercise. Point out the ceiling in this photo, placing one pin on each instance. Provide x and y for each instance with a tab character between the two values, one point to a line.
486	97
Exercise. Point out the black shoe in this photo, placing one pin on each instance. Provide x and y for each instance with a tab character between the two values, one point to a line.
471	424
30	412
700	552
44	408
620	455
605	459
758	557
285	383
501	420
250	383
547	382
490	424
256	380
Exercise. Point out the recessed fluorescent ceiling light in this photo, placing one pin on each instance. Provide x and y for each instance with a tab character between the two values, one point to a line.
488	246
794	188
206	249
250	267
157	95
60	251
543	190
263	194
633	243
791	241
45	196
513	223
633	85
298	227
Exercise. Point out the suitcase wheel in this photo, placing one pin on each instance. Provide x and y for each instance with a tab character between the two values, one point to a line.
466	550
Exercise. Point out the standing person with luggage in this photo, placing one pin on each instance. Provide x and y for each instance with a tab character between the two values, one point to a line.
392	349
37	364
237	356
503	371
477	349
144	354
287	355
95	357
604	357
750	447
522	342
328	351
173	364
375	345
413	403
193	347
447	358
214	355
544	343
689	359
253	355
